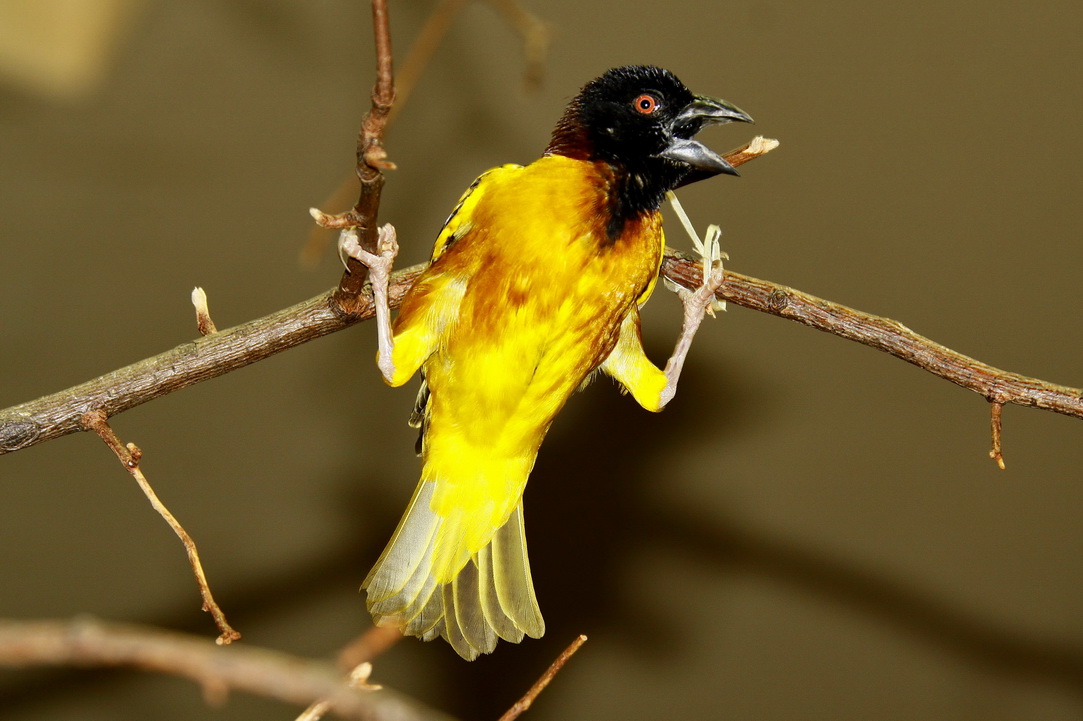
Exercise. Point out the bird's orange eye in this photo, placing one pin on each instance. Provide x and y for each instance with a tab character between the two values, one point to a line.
645	103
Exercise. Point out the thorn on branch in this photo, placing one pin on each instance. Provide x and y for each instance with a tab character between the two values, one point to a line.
337	221
203	312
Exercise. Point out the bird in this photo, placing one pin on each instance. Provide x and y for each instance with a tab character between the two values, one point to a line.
533	288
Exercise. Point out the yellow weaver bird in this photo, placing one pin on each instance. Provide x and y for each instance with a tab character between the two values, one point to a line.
536	281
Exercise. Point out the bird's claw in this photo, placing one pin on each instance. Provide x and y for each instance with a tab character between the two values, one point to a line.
378	263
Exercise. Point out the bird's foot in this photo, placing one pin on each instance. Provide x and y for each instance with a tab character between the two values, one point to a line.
703	299
379	265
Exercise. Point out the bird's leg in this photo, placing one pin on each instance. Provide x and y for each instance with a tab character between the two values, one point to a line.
379	265
696	304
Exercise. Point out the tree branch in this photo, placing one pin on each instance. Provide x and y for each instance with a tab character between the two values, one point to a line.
87	642
536	36
883	334
59	414
371	162
198	360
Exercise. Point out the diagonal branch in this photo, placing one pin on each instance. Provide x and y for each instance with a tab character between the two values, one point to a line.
198	360
884	334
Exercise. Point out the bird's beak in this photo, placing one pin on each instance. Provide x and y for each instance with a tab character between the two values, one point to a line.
692	118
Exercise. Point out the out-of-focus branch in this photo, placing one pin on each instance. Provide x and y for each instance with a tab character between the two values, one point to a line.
357	656
218	670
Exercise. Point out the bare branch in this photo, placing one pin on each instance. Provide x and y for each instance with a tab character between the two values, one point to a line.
368	646
59	414
357	655
130	456
88	642
359	679
536	36
371	162
882	334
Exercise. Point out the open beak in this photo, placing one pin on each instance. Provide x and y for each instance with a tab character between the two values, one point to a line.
692	118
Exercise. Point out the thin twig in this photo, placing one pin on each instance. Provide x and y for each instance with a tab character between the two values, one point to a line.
371	162
357	655
554	668
995	409
272	674
536	35
130	456
417	60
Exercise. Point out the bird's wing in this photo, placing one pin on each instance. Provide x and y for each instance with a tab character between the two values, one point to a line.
433	303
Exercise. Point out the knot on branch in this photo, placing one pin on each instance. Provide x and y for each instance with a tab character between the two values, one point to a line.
16	434
778	301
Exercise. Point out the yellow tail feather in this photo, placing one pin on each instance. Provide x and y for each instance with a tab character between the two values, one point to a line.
488	595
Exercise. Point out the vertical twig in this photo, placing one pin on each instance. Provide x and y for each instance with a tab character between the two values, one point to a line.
528	698
995	409
371	162
129	456
536	35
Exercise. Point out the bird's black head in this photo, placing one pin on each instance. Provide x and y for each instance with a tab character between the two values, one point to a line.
642	120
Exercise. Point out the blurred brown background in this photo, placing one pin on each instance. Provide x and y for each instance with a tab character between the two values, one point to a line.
812	530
